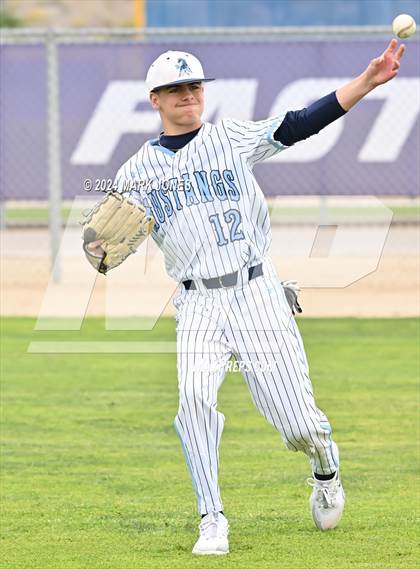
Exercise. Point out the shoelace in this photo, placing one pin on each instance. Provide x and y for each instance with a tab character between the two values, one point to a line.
209	528
325	494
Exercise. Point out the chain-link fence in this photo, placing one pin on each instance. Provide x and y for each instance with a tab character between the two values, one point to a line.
74	107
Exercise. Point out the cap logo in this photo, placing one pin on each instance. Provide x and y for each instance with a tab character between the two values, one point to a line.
183	67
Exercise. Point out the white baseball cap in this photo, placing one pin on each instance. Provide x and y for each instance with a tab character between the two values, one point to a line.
174	68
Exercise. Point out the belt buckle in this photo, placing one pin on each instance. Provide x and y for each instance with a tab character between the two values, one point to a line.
221	283
234	283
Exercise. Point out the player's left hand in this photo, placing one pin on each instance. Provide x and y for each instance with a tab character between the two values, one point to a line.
386	66
291	290
113	230
95	248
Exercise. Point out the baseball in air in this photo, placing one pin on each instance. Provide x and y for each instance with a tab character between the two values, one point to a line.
404	26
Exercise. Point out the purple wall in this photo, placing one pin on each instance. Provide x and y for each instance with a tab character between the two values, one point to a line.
386	126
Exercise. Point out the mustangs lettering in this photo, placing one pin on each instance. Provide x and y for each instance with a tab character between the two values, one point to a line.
211	215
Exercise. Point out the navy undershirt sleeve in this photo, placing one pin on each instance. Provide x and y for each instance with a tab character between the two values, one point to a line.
298	125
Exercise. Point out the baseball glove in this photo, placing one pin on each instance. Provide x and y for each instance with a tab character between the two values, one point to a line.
120	226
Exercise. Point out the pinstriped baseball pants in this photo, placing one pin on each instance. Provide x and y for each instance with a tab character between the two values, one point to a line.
254	323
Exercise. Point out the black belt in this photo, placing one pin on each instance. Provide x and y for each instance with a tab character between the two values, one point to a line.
225	281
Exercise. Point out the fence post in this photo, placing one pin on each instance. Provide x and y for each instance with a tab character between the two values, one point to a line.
3	223
323	210
54	153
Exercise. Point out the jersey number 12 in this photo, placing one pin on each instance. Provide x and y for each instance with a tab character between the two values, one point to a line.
233	219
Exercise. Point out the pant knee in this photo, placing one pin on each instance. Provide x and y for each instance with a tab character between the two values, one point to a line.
310	441
190	398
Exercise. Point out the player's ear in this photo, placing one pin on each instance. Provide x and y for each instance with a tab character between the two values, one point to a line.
154	100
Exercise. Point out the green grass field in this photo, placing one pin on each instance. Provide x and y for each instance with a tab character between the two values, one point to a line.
24	215
93	475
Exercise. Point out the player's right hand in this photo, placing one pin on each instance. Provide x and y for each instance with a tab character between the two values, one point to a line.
386	66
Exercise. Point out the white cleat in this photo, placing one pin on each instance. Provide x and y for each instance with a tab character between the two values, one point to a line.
326	502
213	540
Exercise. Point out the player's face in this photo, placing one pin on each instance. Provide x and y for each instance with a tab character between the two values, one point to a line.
180	107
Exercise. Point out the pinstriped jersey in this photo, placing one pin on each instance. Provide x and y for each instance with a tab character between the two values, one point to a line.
211	215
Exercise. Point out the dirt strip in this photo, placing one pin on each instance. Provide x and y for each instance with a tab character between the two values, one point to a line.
369	272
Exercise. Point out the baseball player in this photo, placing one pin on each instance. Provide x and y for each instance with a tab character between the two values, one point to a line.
212	224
